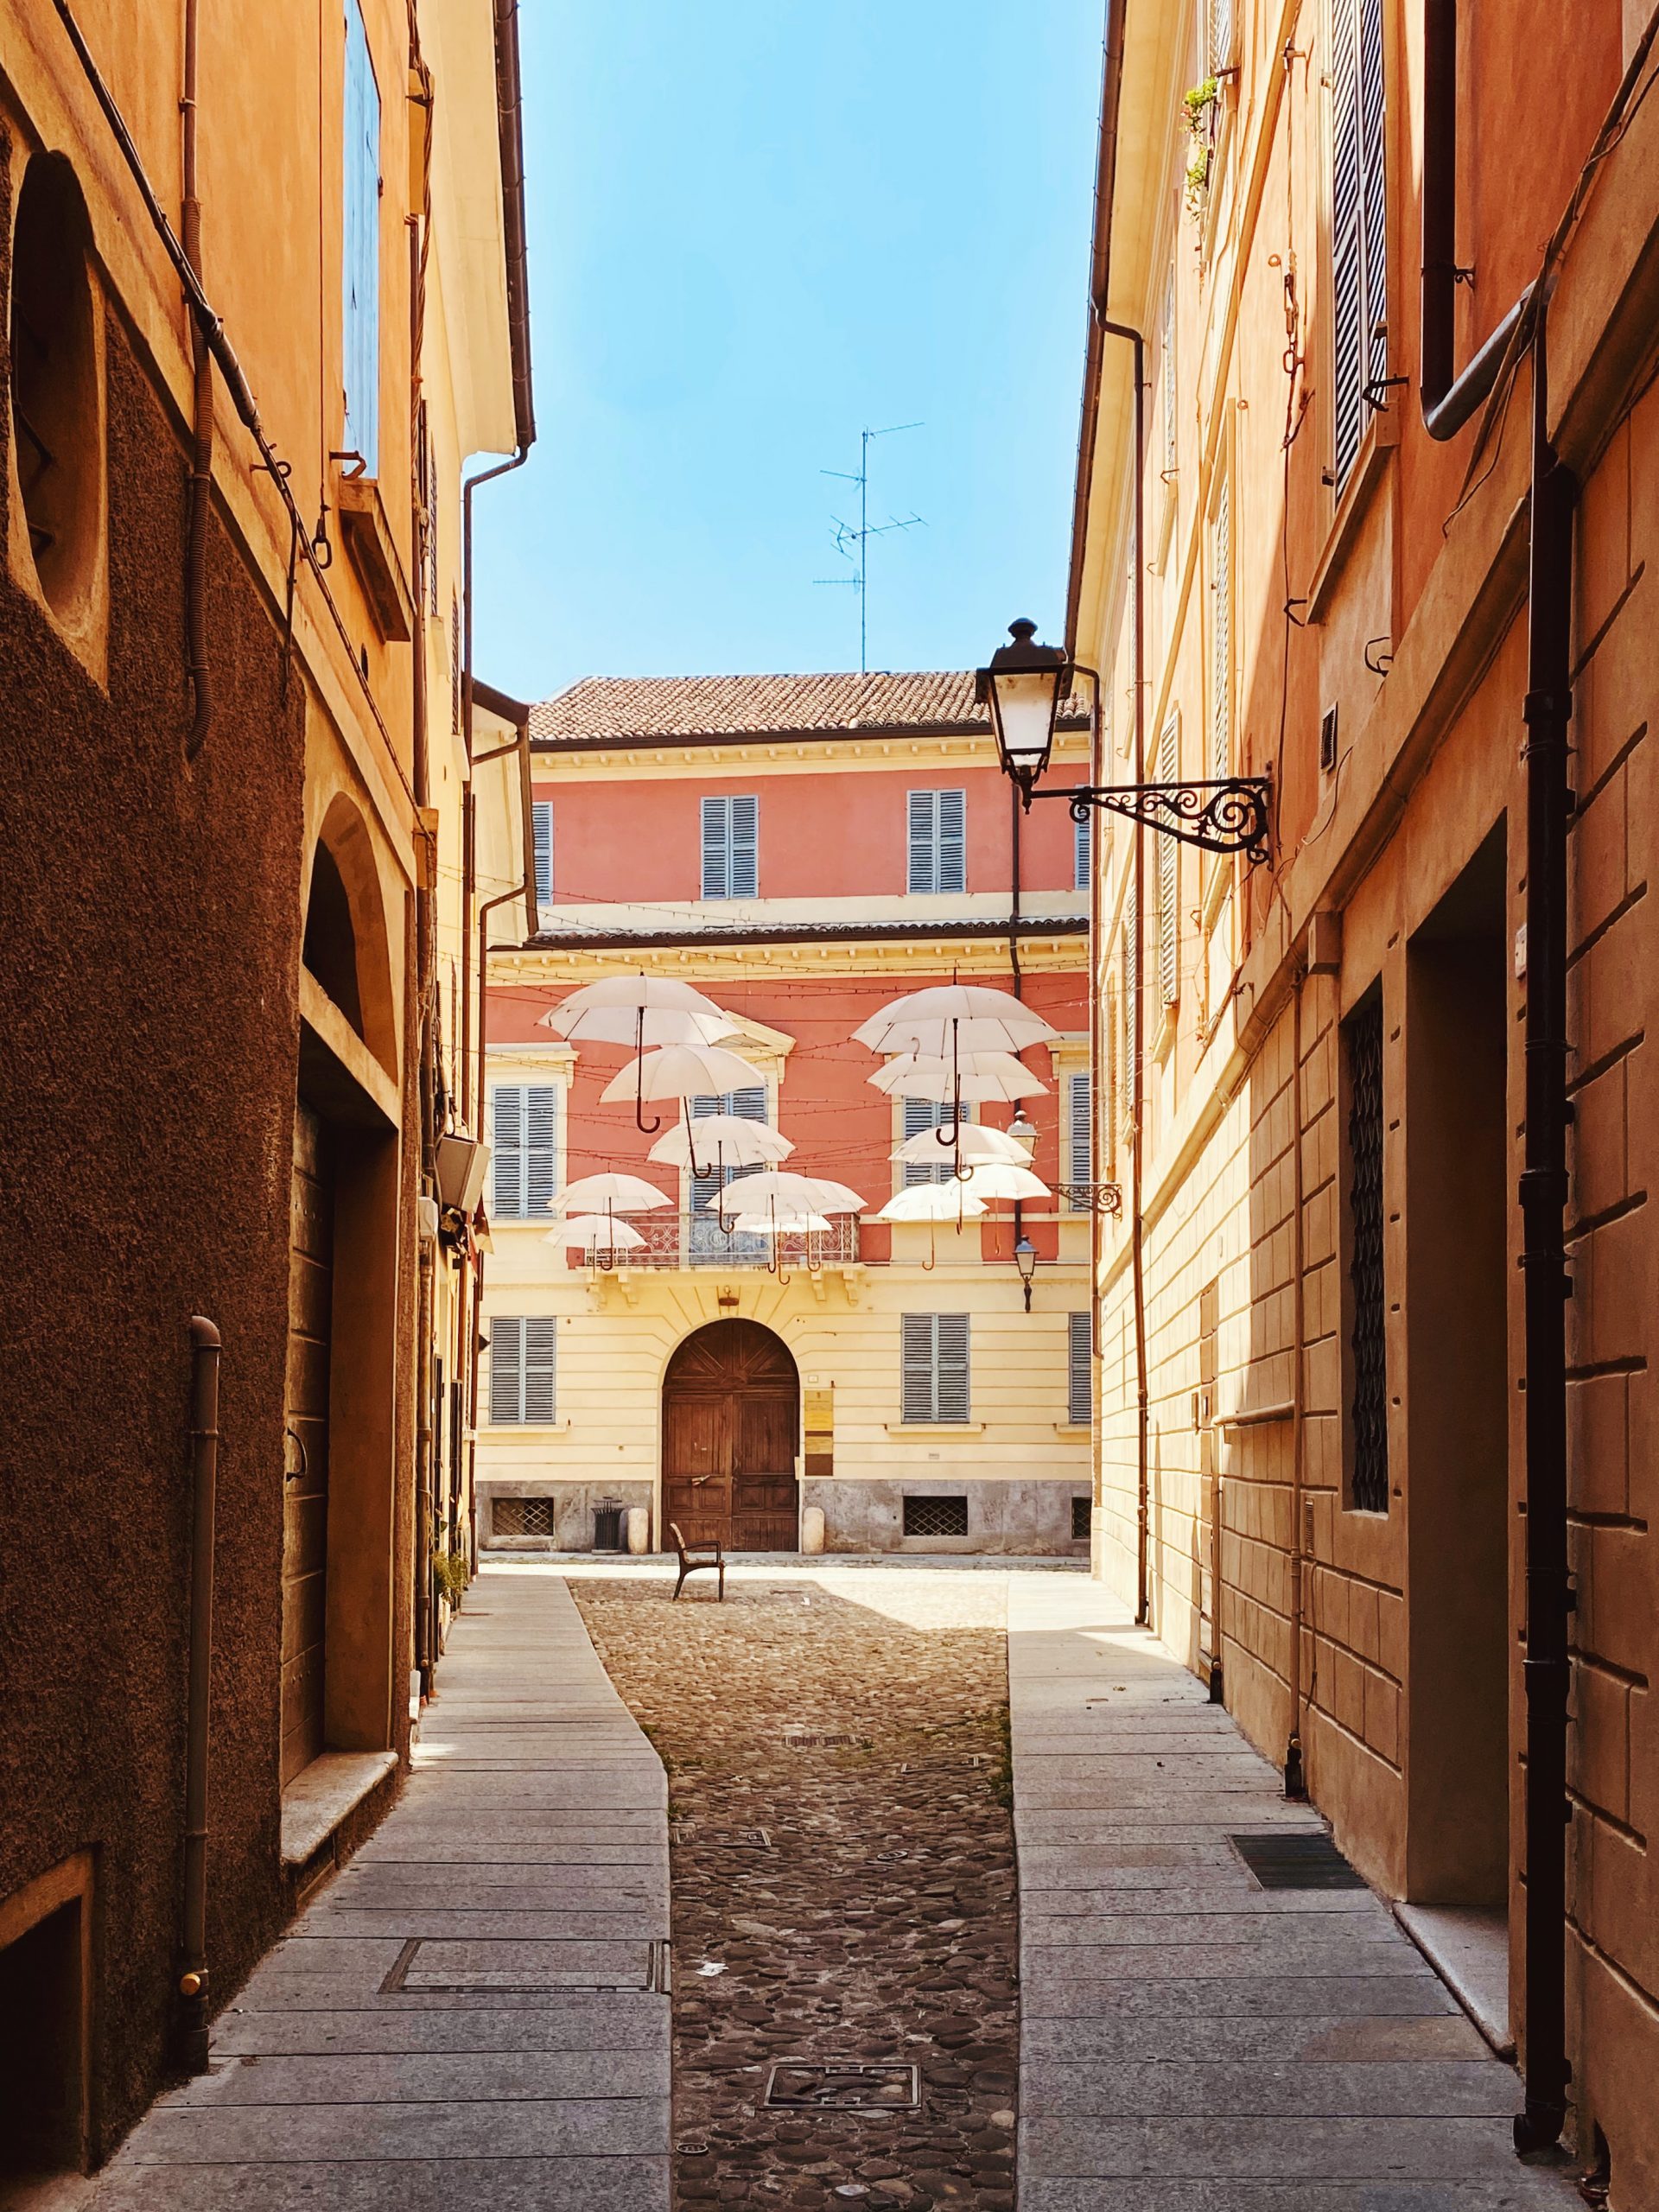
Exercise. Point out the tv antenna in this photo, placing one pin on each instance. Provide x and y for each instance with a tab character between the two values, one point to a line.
853	544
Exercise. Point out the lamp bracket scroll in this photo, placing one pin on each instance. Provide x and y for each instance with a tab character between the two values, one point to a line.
1094	1198
1231	815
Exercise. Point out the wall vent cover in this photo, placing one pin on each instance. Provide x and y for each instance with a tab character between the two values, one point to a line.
1293	1859
521	1517
936	1517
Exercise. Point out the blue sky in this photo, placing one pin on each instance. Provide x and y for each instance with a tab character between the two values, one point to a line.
756	227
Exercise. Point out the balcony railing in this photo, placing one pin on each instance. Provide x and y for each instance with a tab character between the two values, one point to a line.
697	1240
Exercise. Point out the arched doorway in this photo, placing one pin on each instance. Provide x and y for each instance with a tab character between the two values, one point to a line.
731	1424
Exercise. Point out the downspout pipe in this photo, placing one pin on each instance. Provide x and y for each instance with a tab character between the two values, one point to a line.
1543	1193
191	2000
201	412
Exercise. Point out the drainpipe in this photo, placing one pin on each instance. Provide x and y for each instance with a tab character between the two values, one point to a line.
1137	1040
190	2010
1015	812
1543	1193
1295	1772
201	453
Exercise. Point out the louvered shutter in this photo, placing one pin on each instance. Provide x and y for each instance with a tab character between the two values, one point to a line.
1346	251
540	1346
1374	205
745	847
541	1149
950	1367
921	849
1221	36
1080	1168
543	819
928	1113
1167	351
716	849
508	1160
506	1370
917	1379
1169	882
360	256
951	868
708	1240
1083	846
1131	985
1079	1385
1221	637
1109	1082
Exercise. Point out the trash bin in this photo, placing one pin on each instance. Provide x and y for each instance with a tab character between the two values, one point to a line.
607	1527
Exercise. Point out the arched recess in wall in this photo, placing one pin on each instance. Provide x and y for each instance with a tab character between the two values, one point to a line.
347	946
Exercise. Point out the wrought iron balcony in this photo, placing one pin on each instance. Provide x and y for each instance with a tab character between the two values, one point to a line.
697	1240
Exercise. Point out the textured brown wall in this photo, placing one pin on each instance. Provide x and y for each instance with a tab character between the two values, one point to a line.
148	951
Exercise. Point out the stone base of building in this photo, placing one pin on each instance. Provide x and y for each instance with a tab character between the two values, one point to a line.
543	1513
1022	1516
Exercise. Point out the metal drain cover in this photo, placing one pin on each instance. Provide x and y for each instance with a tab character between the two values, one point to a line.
806	1741
1296	1859
739	1840
800	2085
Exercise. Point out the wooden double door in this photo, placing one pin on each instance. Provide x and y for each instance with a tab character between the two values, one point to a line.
731	1429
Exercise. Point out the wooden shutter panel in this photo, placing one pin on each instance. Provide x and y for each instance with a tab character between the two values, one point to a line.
1109	1084
506	1370
1347	301
928	1113
1079	1386
541	1332
1083	846
360	258
507	1151
745	863
1221	36
921	846
1079	1166
950	864
1169	881
716	849
541	1148
543	811
1168	350
917	1366
1374	215
950	1368
1221	637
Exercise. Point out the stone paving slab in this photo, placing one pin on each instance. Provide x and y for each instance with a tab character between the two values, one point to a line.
467	2016
1189	2041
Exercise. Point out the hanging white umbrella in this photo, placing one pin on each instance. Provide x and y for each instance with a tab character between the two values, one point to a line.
595	1232
676	1071
610	1193
785	1192
977	1076
932	1202
638	1010
948	1020
708	1143
962	1143
1001	1179
782	1224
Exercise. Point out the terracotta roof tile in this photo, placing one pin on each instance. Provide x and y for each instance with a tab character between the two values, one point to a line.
745	706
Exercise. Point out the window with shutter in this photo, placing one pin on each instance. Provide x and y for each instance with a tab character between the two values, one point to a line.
935	840
1109	1082
1079	1161
1169	881
928	1113
540	1350
523	1355
731	839
524	1150
1221	36
1358	221
1166	350
1083	845
543	814
934	1361
708	1241
1221	637
506	1370
361	246
1079	1382
1131	985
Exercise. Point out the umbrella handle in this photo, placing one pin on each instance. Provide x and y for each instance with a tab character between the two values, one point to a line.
646	1128
728	1228
690	1149
931	1260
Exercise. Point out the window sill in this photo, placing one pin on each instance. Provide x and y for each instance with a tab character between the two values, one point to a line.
936	1428
321	1795
1075	1428
373	554
497	1431
1370	465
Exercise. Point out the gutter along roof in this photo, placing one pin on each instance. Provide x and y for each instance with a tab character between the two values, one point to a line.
511	125
614	713
1111	85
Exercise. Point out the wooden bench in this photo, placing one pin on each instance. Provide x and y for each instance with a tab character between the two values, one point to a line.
692	1556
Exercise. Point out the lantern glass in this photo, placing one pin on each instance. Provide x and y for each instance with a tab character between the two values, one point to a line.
1023	703
1025	1258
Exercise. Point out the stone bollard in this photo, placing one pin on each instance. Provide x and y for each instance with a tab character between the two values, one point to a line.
812	1529
638	1529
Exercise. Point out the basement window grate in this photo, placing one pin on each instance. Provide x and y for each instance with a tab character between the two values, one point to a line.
936	1517
1295	1860
1083	1511
805	1740
850	2086
1368	1353
522	1516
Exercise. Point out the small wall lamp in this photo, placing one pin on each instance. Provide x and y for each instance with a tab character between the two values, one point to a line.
1025	1258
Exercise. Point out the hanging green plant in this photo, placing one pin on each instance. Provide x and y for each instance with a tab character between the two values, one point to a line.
1197	182
1199	104
1198	110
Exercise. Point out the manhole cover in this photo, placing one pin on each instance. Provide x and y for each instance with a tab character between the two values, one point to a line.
827	2086
1296	1859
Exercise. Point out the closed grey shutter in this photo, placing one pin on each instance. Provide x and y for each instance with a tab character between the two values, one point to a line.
507	1162
1347	302
1083	845
716	849
950	1368
1080	1168
917	1378
543	814
1109	1082
1079	1387
708	1242
506	1370
745	847
928	1113
541	1148
951	871
1221	637
921	849
1169	882
360	247
1167	349
540	1345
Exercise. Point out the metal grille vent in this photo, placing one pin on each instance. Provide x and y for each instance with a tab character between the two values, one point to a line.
936	1517
1369	1405
1081	1517
1295	1860
522	1516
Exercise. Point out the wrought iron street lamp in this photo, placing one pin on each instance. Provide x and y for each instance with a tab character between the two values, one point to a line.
1023	687
1025	1258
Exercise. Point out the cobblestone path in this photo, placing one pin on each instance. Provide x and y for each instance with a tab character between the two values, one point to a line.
875	1921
